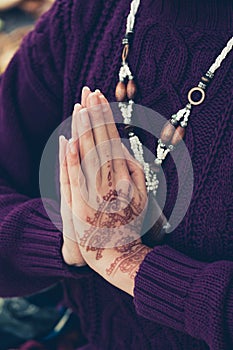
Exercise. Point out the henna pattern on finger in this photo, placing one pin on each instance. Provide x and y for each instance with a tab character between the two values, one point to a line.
109	178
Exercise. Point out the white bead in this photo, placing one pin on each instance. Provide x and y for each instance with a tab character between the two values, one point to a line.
184	113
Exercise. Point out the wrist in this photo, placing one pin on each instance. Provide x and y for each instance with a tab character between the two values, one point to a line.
120	269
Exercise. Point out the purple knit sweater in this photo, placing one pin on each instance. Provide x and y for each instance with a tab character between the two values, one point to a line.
184	288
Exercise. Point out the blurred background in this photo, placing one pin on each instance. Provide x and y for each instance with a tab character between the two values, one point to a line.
41	321
17	17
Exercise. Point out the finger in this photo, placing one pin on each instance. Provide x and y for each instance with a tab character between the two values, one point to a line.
101	138
136	172
119	164
64	178
77	183
97	118
87	148
108	118
74	132
85	133
78	190
66	200
85	93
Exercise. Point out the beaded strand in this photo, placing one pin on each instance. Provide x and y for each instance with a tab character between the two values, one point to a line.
174	130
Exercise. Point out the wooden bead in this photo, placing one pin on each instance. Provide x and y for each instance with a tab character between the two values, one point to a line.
178	135
167	132
131	89
206	80
120	92
129	128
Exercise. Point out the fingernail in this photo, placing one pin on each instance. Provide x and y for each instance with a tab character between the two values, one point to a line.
94	101
86	88
77	107
98	91
61	138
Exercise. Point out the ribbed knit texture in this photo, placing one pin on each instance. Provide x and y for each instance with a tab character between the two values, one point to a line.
184	288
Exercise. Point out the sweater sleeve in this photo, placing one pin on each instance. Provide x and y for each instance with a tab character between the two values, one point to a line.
31	93
196	298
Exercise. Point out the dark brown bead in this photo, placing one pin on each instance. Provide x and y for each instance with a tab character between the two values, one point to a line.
206	80
131	89
128	129
167	132
120	92
178	135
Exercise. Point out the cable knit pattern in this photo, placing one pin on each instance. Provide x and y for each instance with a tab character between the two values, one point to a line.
184	288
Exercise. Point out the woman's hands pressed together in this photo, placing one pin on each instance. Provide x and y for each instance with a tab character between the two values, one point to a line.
103	196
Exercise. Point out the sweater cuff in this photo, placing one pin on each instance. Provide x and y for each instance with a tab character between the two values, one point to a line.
162	285
41	256
39	249
209	307
229	315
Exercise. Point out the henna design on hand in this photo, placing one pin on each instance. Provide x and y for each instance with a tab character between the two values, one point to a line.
116	221
130	260
109	179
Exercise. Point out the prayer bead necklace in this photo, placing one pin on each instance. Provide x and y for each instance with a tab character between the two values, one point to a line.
174	130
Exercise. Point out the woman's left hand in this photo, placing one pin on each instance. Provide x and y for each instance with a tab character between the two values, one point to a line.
108	195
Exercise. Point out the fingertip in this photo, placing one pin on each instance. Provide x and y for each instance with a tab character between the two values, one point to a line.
85	93
62	141
87	104
94	97
61	137
86	88
77	107
103	98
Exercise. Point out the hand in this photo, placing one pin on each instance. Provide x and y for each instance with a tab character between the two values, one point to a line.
108	193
